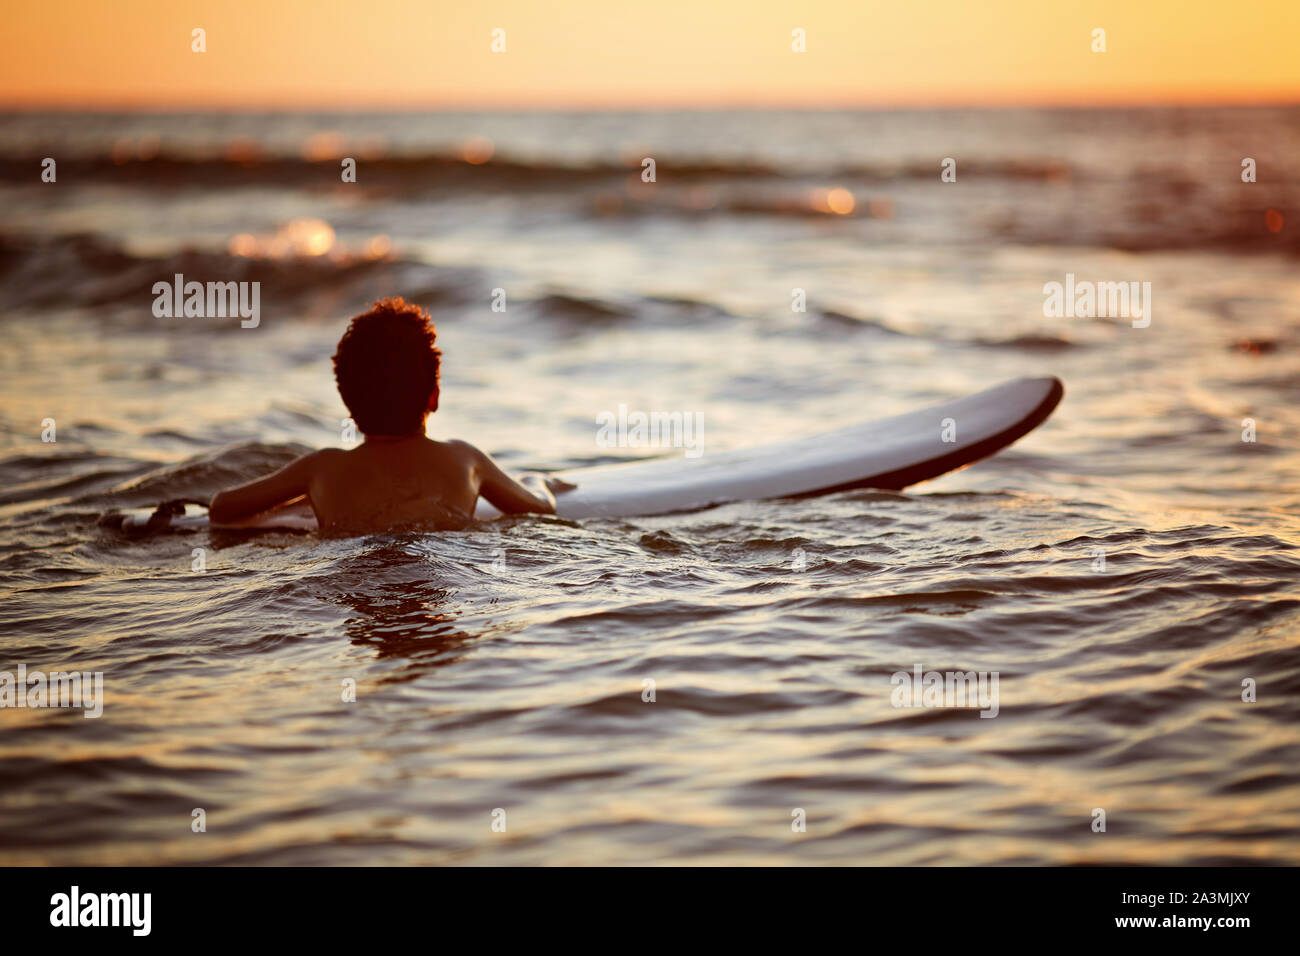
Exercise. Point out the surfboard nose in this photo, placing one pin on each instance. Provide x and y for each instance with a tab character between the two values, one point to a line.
1051	388
1055	394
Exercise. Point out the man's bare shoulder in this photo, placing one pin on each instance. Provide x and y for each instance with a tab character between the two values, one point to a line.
321	455
321	458
461	449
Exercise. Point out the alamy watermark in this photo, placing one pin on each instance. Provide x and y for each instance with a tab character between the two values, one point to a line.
81	689
636	429
946	689
212	300
1085	299
75	908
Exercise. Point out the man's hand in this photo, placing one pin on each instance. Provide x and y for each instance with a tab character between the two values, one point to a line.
539	487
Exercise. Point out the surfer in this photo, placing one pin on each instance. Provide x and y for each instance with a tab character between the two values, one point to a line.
387	369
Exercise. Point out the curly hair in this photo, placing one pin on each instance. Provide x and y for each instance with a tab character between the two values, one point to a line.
387	366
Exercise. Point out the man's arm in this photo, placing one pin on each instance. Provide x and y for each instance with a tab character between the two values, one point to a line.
531	495
245	501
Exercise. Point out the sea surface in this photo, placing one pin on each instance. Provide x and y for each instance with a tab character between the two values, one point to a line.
1130	570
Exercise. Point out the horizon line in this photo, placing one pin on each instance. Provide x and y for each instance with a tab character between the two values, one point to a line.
430	106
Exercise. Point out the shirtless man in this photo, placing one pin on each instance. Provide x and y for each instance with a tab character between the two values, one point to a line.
387	367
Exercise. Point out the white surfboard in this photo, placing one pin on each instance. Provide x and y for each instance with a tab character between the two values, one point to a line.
890	453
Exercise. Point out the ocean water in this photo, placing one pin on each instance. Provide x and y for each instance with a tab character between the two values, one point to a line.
499	672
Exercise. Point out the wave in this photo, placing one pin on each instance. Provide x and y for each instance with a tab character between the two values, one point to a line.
1029	342
441	169
90	271
1035	202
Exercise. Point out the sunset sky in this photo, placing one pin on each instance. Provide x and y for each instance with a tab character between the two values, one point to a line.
328	54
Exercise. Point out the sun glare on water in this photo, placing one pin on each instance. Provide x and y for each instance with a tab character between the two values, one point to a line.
297	238
836	202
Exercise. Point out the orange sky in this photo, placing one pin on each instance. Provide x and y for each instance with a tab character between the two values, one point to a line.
345	54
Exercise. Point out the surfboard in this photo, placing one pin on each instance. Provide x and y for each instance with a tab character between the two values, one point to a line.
889	453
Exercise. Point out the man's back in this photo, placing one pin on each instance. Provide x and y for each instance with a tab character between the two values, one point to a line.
394	482
387	369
